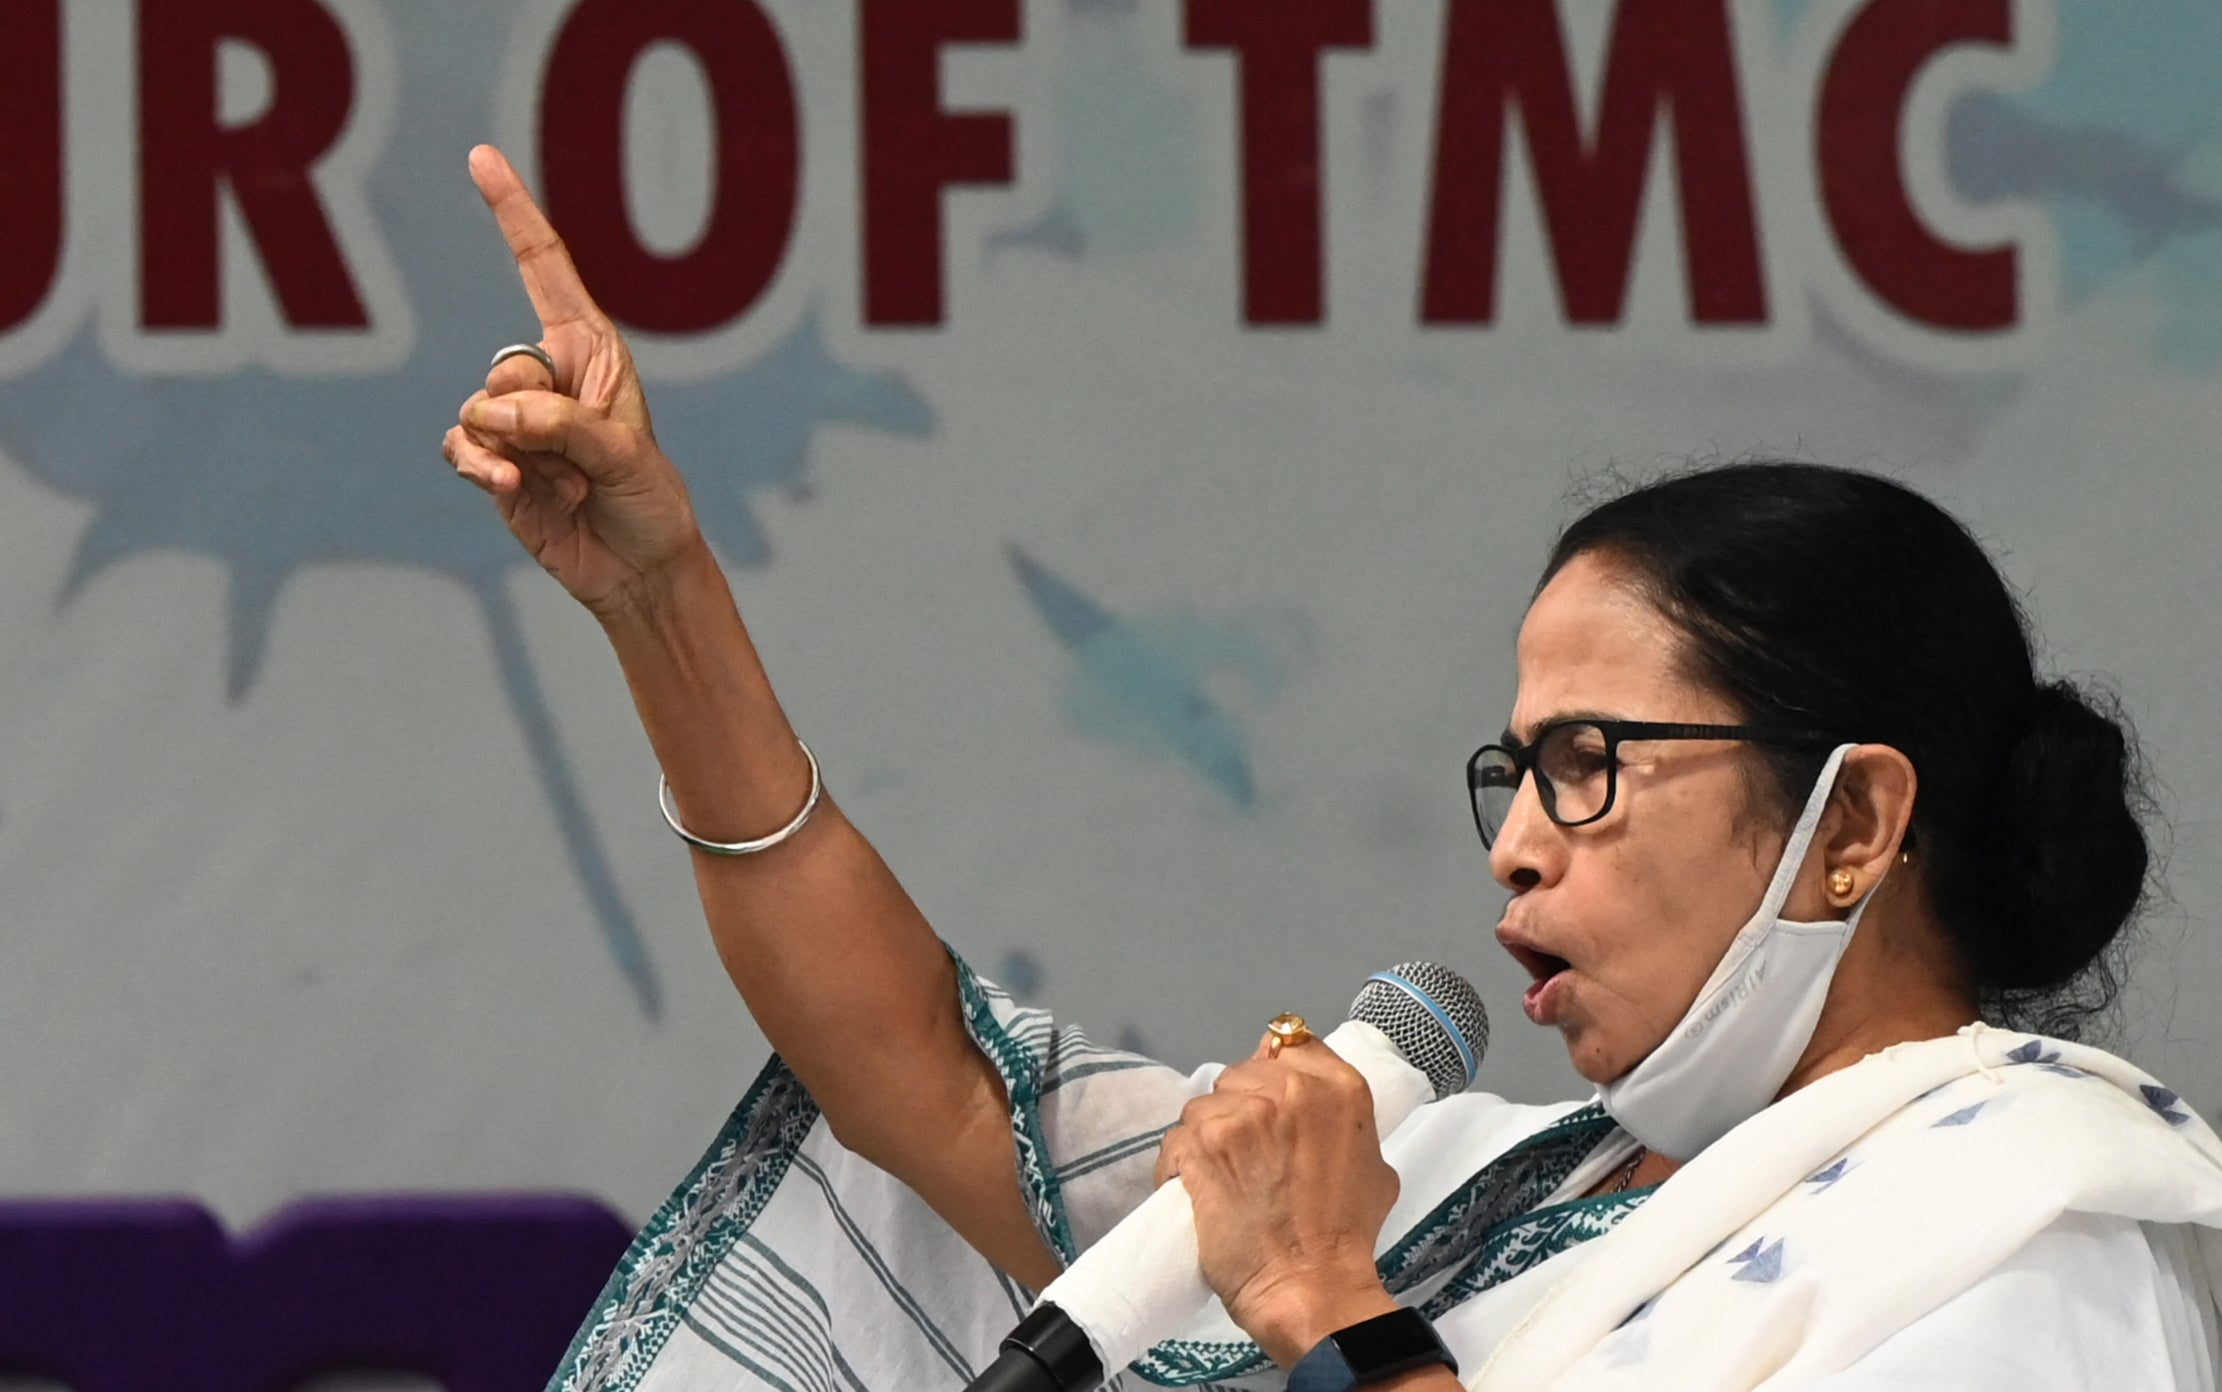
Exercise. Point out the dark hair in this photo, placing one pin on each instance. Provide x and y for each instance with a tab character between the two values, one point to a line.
1841	602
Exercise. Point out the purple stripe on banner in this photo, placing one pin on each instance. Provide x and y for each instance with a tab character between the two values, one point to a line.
479	1293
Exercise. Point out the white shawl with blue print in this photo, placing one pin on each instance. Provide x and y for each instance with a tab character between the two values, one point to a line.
785	1262
1861	1232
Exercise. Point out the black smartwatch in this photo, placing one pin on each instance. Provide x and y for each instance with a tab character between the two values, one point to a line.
1370	1351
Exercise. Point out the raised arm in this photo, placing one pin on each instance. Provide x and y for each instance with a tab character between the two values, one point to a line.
842	972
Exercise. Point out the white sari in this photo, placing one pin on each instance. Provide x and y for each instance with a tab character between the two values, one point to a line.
785	1262
1913	1220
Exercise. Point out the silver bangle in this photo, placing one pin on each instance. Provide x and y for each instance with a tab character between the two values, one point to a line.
761	843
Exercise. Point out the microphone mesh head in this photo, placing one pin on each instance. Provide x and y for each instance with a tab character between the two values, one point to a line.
1433	1016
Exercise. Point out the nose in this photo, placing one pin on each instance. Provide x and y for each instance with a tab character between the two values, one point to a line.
1521	856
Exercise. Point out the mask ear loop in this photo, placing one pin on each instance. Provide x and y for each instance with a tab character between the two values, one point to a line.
1785	876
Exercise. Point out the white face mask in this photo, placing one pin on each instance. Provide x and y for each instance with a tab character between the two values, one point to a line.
1747	1029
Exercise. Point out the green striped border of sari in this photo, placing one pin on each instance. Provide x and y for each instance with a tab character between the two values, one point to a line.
1021	1068
664	1268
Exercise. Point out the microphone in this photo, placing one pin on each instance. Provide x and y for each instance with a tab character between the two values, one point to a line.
1415	1033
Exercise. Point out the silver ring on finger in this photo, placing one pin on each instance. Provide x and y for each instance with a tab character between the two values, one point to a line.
524	350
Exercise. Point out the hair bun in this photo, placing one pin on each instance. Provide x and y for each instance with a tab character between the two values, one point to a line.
2075	827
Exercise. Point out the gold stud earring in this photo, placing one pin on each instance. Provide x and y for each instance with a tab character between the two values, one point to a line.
1840	883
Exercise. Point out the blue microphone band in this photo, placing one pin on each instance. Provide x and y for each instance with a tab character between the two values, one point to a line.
1450	1027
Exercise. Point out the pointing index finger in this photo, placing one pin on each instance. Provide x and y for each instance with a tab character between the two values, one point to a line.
551	280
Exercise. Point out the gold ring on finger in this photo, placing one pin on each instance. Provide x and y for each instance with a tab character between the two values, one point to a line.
1286	1031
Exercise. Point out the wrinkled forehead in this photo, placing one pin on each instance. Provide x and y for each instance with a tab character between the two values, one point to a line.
1594	644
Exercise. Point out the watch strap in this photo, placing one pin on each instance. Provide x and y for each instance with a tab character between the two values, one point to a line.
1370	1351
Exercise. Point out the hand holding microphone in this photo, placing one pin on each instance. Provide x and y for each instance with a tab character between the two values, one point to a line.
1283	1170
1284	1164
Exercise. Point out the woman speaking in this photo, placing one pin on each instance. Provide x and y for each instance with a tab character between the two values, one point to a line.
1814	874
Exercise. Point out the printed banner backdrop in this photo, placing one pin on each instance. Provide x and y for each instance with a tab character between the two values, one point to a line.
1132	428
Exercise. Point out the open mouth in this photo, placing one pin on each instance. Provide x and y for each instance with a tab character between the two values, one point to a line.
1541	965
1542	1002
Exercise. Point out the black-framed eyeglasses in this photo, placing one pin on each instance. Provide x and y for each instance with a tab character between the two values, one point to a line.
1576	764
